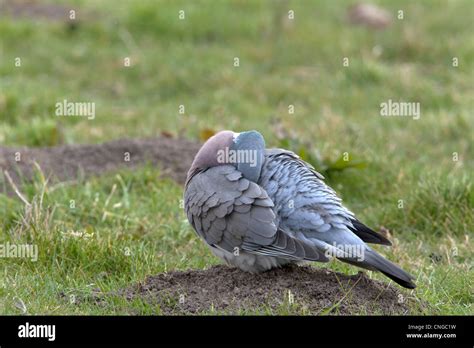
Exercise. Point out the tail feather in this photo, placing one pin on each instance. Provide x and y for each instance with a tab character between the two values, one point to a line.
367	234
376	262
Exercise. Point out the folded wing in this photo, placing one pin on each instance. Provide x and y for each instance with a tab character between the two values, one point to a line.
229	211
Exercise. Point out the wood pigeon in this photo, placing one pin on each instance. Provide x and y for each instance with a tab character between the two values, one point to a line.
259	208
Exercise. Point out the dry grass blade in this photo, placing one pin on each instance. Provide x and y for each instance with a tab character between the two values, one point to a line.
15	188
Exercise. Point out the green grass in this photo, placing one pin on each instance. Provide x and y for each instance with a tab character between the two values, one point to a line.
190	62
128	225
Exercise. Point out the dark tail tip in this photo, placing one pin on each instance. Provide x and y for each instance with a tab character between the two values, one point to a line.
390	269
367	234
406	282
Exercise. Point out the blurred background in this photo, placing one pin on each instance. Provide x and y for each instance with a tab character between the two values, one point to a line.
283	61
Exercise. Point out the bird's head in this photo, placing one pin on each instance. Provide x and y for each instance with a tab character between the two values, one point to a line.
245	151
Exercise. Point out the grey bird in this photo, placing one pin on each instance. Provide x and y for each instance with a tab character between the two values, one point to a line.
259	208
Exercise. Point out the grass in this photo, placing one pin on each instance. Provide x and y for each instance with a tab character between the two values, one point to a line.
131	224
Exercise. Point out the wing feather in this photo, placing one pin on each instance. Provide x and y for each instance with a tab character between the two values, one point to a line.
229	211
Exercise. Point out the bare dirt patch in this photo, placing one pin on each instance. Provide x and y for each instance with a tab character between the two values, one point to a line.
35	9
231	291
39	10
64	163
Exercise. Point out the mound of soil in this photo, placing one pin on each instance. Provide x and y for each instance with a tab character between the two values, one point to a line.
44	10
34	9
63	163
231	291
